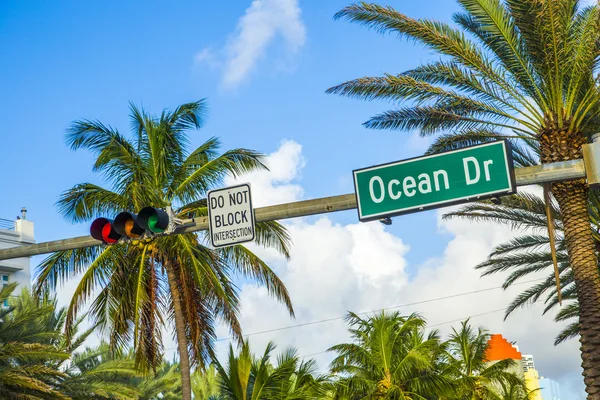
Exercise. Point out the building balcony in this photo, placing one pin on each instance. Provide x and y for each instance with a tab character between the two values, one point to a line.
7	224
12	266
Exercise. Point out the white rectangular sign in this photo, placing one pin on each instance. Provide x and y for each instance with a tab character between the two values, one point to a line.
230	215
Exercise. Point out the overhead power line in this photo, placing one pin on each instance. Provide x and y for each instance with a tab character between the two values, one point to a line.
390	308
379	310
440	324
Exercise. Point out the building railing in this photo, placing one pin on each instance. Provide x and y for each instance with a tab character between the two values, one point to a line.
7	224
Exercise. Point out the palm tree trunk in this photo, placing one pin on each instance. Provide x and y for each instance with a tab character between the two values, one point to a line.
572	197
184	356
478	392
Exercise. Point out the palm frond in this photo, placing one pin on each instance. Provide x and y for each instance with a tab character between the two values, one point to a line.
570	332
86	200
63	265
439	117
493	25
212	173
516	211
458	140
249	265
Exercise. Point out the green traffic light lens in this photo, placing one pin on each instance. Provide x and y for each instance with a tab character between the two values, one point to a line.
152	221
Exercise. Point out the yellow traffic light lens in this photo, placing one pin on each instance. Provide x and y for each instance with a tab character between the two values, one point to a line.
129	225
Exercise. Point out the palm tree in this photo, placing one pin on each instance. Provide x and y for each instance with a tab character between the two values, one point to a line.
477	378
205	384
96	374
390	358
27	361
246	377
165	385
89	374
515	68
517	392
139	286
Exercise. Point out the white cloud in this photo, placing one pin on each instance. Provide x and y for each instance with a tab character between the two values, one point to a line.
208	57
275	185
262	23
333	269
454	272
362	267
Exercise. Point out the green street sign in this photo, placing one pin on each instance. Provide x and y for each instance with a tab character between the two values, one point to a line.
433	181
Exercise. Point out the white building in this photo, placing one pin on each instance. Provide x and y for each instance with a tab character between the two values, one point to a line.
16	233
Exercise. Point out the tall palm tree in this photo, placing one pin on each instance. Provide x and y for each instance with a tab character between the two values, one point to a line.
390	358
138	286
528	253
514	68
475	377
249	378
27	359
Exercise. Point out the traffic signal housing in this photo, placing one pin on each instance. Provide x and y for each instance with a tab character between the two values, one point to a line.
104	230
153	219
149	219
126	225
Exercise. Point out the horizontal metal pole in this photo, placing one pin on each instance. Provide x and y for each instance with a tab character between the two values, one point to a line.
269	213
284	211
559	171
524	176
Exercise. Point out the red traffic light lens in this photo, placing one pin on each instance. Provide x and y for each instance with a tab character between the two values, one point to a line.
102	229
106	230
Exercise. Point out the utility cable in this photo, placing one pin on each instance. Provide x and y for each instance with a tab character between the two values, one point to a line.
439	324
386	309
379	310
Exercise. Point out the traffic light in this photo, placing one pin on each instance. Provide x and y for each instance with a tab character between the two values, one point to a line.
153	219
128	225
103	229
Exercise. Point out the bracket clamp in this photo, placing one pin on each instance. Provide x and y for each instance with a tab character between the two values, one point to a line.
591	161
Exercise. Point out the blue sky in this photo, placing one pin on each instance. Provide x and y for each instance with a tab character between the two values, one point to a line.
263	67
81	60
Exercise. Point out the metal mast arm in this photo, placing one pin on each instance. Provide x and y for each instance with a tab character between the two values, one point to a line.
525	176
